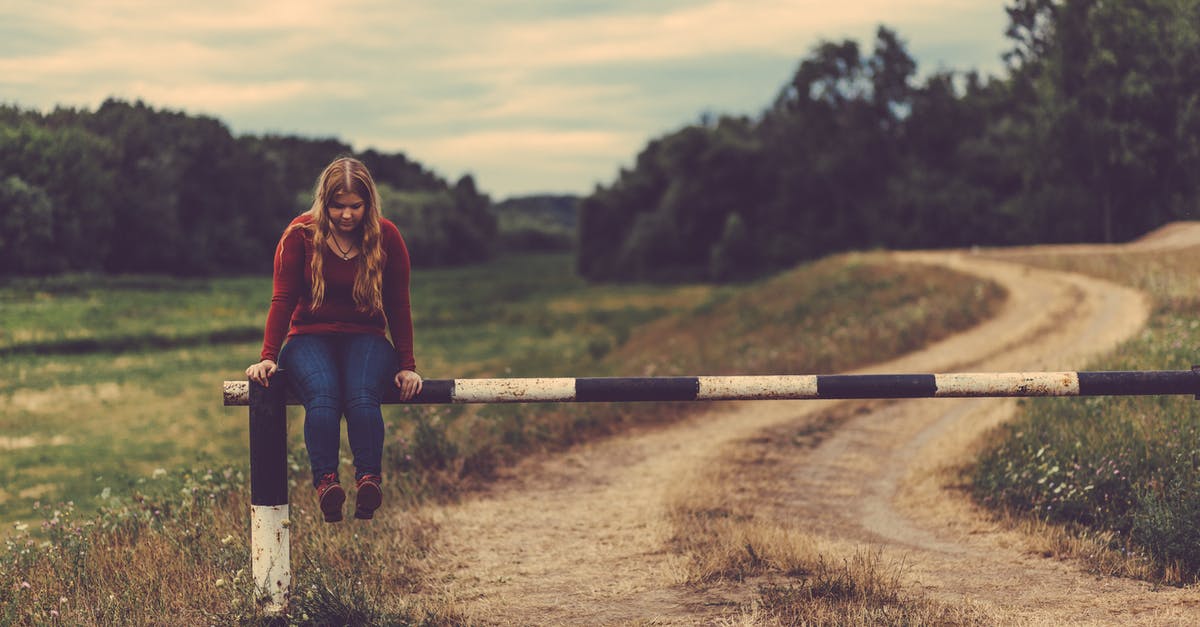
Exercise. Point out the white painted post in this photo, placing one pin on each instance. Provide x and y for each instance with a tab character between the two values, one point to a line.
271	555
270	539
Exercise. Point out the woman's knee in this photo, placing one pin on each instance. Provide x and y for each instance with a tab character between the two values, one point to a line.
363	400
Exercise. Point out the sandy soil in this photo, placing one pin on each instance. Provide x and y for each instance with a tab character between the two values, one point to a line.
581	537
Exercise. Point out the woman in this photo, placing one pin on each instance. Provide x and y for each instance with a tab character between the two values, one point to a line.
341	277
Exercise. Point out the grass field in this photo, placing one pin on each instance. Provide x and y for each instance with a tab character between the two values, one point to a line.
1117	476
124	492
74	423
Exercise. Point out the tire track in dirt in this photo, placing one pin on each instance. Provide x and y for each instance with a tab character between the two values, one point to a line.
582	537
889	467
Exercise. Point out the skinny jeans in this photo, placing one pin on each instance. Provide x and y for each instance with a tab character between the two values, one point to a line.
340	374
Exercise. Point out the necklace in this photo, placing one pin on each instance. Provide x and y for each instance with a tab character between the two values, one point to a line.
345	253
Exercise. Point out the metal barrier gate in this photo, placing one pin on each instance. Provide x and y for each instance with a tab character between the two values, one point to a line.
270	537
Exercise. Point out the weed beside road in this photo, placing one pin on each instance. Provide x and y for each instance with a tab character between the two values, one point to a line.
1120	476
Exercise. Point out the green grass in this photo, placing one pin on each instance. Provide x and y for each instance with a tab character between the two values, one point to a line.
73	424
81	313
137	475
1123	468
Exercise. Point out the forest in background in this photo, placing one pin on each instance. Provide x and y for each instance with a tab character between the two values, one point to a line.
128	188
1093	135
538	223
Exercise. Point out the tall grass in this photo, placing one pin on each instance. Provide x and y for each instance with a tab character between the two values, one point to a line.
161	536
1124	471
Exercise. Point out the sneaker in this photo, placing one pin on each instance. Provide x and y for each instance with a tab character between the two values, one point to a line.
330	495
370	496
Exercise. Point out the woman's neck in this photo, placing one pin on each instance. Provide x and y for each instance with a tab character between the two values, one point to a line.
345	245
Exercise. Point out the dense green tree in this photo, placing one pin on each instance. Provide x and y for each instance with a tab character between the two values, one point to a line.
70	166
131	188
26	229
734	256
1114	113
1094	135
808	177
538	222
442	227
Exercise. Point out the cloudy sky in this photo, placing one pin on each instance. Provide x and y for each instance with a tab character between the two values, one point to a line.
527	96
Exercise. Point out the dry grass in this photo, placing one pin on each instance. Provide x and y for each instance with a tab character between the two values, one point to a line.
158	560
1093	548
730	525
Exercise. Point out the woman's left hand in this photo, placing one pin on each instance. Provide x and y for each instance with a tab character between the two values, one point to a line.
409	383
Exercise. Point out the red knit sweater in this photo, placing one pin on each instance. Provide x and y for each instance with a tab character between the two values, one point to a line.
291	310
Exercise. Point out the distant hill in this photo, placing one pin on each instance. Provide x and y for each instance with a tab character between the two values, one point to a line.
541	222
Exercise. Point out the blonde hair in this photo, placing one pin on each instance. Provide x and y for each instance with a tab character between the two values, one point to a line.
347	175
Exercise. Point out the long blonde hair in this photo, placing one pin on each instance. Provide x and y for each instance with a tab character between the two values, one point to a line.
346	174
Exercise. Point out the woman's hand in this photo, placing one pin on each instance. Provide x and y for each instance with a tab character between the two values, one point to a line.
409	383
261	372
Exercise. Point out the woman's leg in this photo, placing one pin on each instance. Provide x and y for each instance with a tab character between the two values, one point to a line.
311	365
368	366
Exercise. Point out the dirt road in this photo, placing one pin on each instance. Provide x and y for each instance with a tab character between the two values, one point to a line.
582	537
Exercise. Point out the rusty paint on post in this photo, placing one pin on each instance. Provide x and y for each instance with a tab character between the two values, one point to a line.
237	393
514	390
270	556
995	384
757	387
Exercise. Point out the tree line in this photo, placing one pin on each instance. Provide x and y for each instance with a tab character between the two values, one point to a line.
129	188
1093	134
538	222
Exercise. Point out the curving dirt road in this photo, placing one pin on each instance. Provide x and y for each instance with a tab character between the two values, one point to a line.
582	537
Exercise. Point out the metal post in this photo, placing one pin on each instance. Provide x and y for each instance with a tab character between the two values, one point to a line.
270	552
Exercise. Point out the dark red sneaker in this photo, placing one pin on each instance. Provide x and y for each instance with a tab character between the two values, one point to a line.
330	495
370	496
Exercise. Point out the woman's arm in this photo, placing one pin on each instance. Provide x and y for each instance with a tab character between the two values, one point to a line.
287	286
396	304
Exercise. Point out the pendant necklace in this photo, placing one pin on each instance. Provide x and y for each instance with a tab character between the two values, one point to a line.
345	253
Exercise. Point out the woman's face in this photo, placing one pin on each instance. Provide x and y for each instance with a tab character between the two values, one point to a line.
346	211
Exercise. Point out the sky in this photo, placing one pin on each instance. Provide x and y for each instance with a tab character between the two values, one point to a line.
526	96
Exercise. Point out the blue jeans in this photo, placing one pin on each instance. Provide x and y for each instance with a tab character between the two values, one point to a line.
335	374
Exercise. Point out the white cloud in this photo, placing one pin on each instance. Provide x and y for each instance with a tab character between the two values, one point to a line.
137	17
785	27
501	89
509	144
509	104
216	97
109	55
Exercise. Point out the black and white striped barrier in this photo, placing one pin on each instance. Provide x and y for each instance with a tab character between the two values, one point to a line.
842	386
270	553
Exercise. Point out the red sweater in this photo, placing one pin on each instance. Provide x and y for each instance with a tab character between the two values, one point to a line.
291	310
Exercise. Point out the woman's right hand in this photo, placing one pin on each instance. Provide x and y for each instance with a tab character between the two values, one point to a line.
261	372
